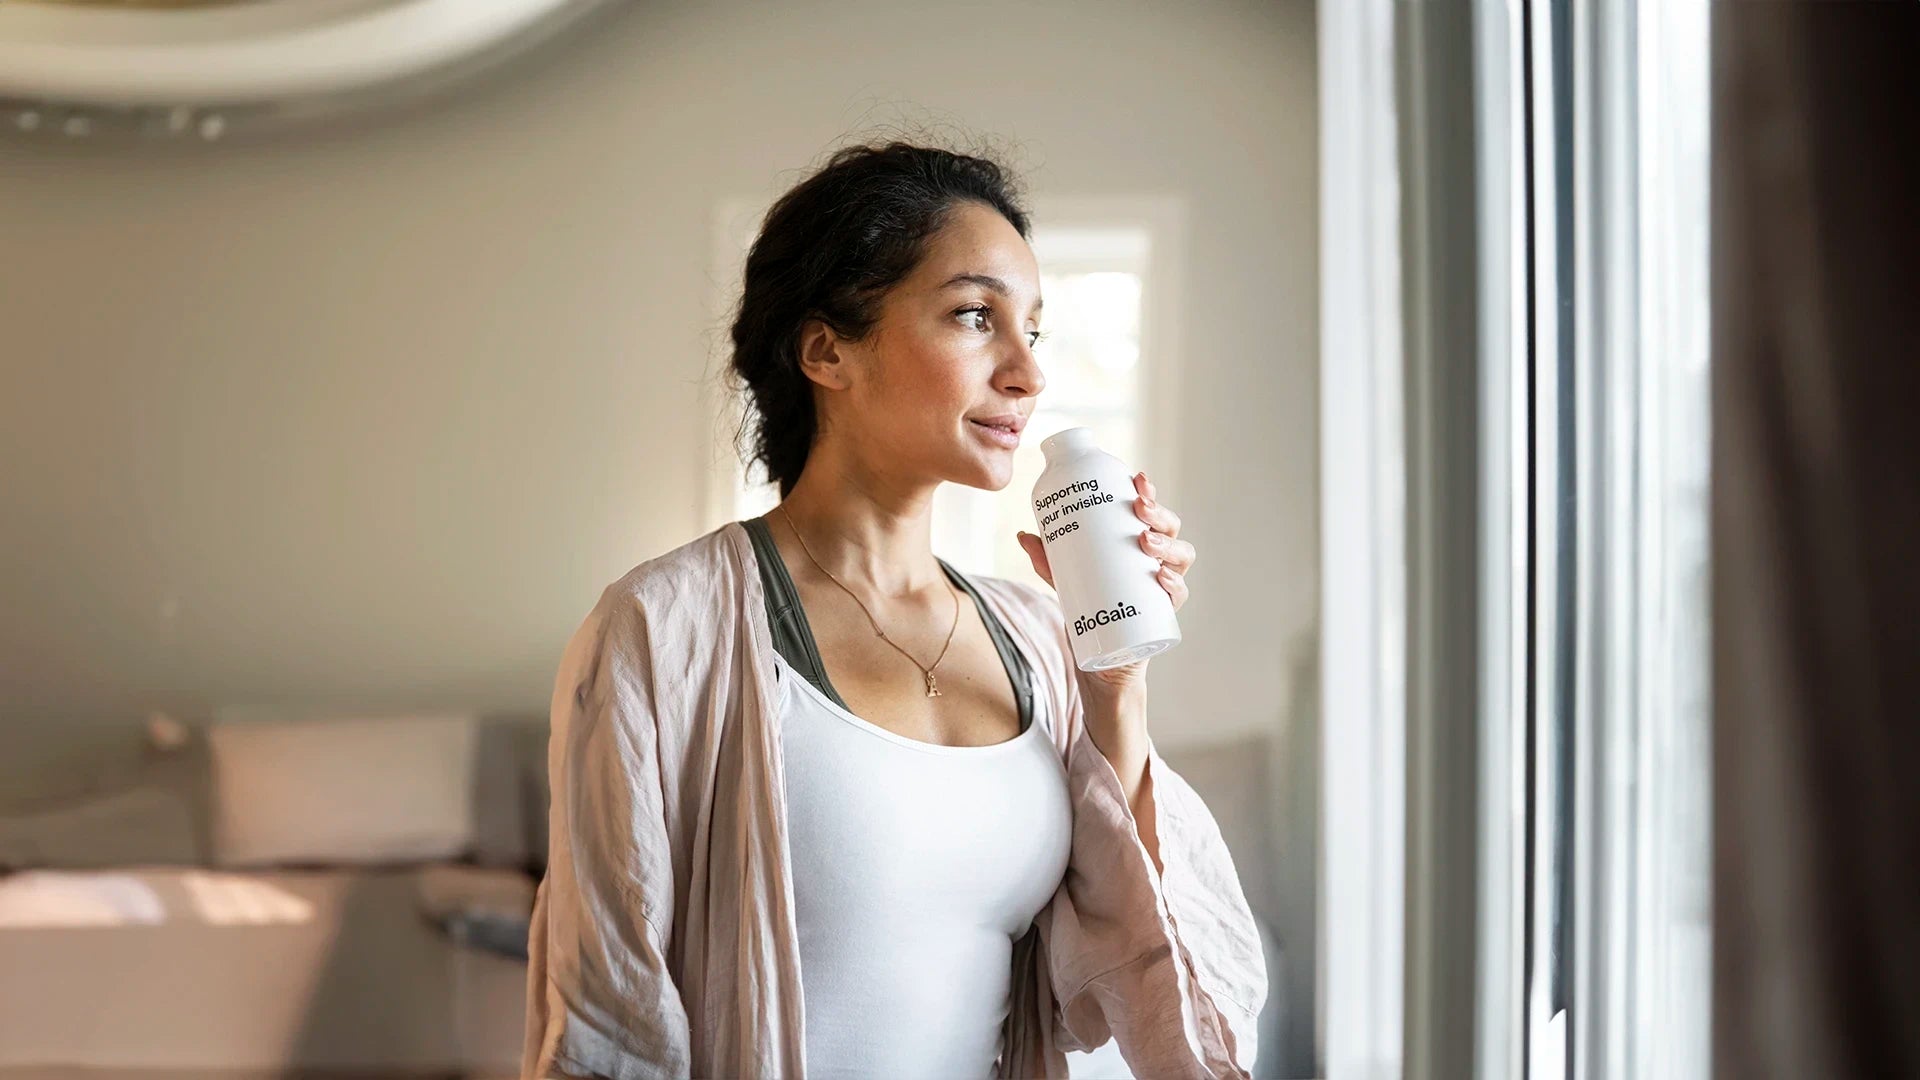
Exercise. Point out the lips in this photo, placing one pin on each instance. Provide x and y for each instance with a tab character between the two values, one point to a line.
1002	431
1011	423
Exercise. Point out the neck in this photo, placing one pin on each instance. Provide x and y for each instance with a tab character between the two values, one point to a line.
868	529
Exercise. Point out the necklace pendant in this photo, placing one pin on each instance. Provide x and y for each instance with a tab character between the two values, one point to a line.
932	690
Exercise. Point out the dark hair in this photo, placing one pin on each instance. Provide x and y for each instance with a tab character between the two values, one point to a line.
830	248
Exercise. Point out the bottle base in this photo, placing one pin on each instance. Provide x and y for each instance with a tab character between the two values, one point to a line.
1132	654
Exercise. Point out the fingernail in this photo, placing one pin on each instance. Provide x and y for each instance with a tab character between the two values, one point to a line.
1153	539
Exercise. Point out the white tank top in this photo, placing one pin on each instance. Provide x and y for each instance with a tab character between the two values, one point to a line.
916	867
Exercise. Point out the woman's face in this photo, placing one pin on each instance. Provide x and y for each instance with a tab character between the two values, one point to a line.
932	392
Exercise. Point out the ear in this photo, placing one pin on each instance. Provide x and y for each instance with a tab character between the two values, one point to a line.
824	356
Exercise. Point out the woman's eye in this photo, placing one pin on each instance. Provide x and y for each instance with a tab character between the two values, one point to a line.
1034	337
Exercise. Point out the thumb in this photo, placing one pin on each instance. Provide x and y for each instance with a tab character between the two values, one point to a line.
1036	551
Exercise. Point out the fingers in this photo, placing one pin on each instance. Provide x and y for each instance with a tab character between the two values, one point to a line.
1176	585
1175	553
1150	510
1162	541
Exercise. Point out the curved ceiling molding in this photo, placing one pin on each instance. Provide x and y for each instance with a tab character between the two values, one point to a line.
167	66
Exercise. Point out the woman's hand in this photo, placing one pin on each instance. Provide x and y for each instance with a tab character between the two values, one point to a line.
1160	539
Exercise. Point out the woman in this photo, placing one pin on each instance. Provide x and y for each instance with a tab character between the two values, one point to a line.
804	744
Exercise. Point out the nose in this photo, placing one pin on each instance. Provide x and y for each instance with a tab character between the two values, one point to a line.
1020	375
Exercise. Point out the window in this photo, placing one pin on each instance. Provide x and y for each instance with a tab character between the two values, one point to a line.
1621	968
1555	351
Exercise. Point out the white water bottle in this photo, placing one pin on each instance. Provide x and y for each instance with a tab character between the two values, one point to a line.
1117	611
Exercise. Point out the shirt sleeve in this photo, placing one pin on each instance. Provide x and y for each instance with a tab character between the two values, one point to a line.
601	999
1170	965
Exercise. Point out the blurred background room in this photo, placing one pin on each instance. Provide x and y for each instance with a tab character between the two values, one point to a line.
1536	375
328	417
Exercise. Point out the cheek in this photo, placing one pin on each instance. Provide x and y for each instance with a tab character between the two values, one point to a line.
926	383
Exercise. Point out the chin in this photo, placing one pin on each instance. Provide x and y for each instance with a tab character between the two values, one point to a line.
987	474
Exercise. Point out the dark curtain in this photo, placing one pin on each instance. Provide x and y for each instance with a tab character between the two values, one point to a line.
1816	535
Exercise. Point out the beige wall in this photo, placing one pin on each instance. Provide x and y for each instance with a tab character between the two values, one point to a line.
370	414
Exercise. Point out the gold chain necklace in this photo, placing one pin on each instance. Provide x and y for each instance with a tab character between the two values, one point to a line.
933	689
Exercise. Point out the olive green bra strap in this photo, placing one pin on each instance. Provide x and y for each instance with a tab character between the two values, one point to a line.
793	637
1010	655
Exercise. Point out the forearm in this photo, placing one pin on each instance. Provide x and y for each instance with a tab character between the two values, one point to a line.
1117	724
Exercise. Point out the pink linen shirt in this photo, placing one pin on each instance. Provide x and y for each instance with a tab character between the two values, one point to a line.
663	941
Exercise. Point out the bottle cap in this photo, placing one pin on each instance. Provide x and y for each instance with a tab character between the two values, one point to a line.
1066	443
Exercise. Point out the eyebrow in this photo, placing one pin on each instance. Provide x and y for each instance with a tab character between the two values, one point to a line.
986	281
